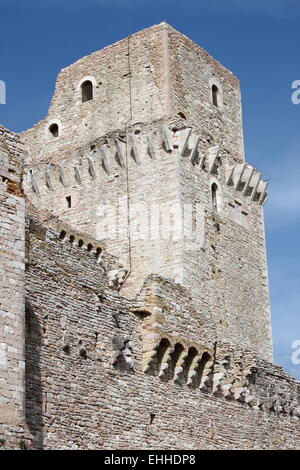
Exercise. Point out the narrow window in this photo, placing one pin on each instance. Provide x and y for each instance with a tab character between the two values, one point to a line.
152	416
69	201
214	196
215	95
54	130
87	91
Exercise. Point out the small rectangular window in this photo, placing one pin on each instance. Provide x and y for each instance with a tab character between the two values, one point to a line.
69	201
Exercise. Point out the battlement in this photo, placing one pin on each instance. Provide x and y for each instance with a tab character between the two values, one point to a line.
100	156
12	287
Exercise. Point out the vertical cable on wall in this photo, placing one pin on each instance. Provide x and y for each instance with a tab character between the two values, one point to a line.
128	122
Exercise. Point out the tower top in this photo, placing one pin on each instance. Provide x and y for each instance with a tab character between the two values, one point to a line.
156	74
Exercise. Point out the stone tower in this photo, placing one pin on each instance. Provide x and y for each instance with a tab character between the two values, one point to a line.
12	287
145	138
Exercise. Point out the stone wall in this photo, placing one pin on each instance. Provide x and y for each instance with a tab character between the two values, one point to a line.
223	264
150	143
228	271
193	72
130	87
91	382
12	290
102	184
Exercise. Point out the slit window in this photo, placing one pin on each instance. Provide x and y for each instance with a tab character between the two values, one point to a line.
215	95
69	202
214	196
87	93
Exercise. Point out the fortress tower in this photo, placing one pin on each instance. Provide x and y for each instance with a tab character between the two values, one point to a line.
144	283
138	132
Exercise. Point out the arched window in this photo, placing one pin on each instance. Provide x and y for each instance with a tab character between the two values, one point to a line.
214	196
87	92
54	130
162	350
174	357
215	95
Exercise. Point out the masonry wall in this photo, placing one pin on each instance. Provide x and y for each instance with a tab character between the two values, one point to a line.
228	272
12	289
193	72
109	152
85	384
128	170
101	196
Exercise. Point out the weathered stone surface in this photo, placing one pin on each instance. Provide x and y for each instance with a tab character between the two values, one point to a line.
12	289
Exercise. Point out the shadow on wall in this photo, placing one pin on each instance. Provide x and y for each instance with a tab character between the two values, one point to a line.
33	383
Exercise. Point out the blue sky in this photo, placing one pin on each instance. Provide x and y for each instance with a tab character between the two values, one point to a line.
258	40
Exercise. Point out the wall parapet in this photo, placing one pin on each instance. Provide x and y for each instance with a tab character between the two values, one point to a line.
56	230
